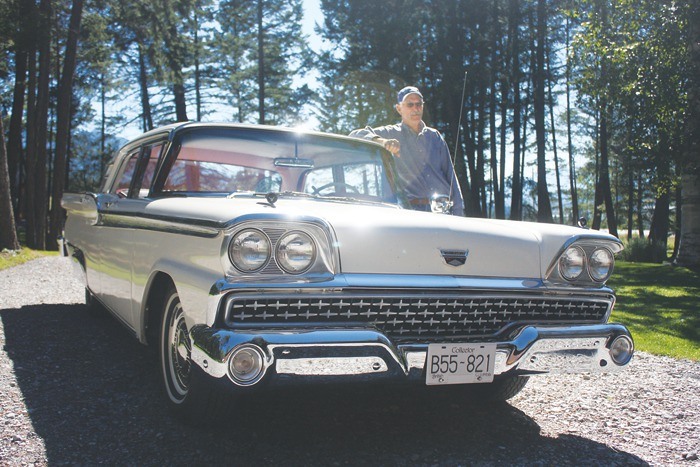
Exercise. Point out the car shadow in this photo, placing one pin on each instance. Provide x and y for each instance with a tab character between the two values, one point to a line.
92	393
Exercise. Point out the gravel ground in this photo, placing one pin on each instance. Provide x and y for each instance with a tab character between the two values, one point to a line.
78	389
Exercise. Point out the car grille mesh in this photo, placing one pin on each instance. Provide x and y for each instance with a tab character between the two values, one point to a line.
414	317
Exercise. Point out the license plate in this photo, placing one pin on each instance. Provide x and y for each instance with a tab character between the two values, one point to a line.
460	363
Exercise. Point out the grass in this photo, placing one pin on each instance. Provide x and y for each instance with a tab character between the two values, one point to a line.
10	258
659	304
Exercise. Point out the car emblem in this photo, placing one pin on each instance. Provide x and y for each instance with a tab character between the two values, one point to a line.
455	257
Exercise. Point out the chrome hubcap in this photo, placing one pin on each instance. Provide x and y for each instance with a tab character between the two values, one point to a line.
179	350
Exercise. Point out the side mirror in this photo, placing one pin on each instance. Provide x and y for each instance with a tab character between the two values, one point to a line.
441	204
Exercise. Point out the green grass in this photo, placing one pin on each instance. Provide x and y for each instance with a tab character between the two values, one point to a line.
14	258
660	305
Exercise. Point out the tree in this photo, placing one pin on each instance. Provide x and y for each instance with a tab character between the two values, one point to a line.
689	250
63	119
8	234
544	207
262	49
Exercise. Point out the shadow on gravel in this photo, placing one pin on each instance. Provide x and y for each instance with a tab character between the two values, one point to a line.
93	395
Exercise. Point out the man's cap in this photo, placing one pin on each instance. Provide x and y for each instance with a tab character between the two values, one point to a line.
406	91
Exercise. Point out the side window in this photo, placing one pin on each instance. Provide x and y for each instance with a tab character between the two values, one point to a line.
121	188
151	155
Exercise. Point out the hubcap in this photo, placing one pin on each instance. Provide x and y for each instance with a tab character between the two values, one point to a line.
179	350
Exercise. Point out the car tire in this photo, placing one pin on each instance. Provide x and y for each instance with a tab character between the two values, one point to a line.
501	389
187	390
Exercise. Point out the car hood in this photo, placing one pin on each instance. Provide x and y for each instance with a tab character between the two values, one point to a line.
379	239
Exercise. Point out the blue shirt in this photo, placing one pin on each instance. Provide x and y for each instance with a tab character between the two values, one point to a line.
423	164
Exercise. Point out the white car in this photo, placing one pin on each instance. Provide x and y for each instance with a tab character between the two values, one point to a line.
256	256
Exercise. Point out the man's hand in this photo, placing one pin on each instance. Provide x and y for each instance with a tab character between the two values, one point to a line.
391	145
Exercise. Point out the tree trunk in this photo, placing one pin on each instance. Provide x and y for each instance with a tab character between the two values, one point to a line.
630	196
495	33
554	141
689	248
8	233
640	215
261	66
605	177
146	115
42	123
572	165
14	141
37	132
63	123
517	191
197	71
480	156
544	207
179	94
27	207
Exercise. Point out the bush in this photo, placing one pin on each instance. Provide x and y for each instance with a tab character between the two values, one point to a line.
641	250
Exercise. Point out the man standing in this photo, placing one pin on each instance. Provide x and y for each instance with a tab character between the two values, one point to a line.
422	157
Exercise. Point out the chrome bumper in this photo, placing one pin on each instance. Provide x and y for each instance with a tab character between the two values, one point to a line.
366	355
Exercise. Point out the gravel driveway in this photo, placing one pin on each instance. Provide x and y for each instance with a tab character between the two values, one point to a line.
78	389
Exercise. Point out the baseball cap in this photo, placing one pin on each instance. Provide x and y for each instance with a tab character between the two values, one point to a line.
406	91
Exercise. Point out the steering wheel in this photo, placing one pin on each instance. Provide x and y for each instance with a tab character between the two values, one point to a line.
350	188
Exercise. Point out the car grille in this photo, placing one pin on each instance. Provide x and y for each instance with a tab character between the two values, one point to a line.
419	317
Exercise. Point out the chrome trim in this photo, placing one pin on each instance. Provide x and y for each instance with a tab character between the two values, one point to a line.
334	283
366	355
165	224
275	227
588	244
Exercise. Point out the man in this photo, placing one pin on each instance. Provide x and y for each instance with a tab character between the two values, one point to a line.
422	157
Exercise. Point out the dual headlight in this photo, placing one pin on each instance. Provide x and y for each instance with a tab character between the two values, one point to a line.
575	262
250	250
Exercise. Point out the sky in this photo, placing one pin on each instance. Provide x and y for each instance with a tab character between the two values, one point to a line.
312	16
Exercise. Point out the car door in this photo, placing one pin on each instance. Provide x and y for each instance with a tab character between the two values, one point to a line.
121	209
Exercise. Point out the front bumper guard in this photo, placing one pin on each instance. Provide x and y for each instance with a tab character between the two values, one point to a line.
341	355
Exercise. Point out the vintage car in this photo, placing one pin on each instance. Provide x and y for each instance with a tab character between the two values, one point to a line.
255	256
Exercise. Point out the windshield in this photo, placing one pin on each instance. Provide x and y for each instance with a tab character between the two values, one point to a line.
234	160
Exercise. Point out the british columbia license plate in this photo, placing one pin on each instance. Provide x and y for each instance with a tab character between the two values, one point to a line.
460	363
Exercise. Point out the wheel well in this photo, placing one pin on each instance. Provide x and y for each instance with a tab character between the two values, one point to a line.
156	296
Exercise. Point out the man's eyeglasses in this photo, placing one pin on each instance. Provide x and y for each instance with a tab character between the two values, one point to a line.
411	105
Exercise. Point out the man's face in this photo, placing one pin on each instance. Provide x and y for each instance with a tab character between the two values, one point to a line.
411	110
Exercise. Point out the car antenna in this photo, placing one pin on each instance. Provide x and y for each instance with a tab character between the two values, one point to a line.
459	127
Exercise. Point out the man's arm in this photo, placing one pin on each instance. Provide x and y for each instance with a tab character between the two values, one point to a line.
390	144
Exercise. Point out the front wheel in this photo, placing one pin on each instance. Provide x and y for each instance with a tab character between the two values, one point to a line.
187	392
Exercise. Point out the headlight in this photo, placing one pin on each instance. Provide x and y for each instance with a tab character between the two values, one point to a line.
296	252
246	365
249	250
600	264
571	263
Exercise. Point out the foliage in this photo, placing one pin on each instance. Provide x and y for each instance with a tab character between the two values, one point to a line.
12	258
659	305
641	250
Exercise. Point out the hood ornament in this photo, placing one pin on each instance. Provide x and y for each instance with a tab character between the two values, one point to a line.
455	257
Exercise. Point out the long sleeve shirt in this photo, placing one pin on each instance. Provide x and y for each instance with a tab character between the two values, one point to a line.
423	164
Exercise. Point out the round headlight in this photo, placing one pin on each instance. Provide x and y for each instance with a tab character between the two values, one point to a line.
296	252
600	264
249	250
246	365
571	263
